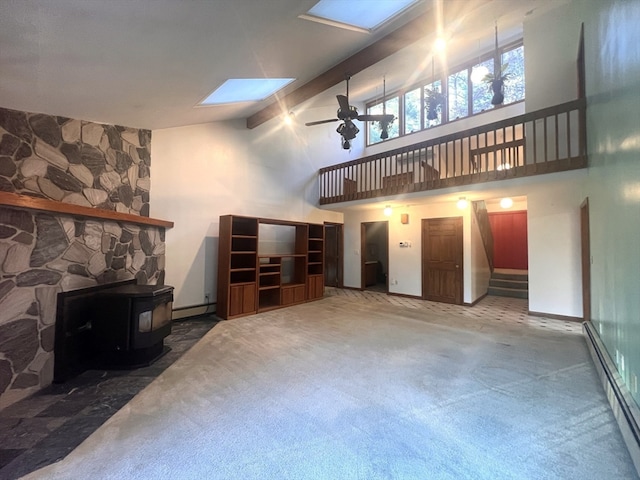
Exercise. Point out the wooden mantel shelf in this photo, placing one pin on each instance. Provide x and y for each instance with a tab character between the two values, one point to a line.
8	199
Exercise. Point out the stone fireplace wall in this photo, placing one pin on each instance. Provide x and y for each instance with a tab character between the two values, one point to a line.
75	161
42	254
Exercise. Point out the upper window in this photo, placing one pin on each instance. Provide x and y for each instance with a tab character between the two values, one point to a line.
373	128
465	91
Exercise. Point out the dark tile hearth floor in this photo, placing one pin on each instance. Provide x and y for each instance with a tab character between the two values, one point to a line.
46	426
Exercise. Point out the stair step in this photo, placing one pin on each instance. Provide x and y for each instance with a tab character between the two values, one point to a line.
522	277
508	292
515	284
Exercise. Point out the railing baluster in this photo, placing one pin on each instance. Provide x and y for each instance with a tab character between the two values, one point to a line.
545	142
535	144
568	135
557	138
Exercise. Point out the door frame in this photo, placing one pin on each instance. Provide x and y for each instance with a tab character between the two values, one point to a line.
585	256
423	224
363	247
340	253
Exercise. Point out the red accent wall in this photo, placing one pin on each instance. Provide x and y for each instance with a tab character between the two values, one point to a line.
509	239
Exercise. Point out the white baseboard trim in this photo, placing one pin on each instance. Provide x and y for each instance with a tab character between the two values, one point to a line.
622	403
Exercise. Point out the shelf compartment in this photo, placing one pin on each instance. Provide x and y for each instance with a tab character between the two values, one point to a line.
315	257
269	280
245	226
269	298
316	231
242	260
244	275
244	244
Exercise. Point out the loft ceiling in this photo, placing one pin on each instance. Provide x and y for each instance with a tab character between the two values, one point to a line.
147	63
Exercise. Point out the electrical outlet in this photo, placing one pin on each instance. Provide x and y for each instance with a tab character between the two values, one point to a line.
206	298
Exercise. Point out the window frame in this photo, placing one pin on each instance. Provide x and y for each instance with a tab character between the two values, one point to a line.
443	77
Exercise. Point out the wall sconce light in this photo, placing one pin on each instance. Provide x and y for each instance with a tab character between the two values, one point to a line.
388	211
462	203
506	202
404	218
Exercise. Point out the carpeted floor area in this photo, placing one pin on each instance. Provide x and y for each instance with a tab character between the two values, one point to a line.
367	386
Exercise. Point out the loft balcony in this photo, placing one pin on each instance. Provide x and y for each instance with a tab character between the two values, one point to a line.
545	141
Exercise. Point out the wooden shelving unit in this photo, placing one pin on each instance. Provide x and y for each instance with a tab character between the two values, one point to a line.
251	280
237	266
315	262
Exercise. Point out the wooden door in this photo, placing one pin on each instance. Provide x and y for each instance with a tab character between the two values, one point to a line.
442	260
510	248
333	255
586	260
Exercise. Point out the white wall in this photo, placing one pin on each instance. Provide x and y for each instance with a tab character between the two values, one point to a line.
551	42
553	224
405	265
203	171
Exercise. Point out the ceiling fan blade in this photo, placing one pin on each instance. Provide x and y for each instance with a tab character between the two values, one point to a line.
376	118
343	101
320	122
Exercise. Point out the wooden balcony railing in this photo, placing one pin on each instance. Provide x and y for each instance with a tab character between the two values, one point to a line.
545	141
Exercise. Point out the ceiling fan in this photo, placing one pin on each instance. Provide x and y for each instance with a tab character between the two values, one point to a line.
347	113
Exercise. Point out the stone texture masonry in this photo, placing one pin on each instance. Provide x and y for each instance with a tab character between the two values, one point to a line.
41	254
75	161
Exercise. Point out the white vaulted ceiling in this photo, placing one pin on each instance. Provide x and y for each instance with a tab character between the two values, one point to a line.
147	63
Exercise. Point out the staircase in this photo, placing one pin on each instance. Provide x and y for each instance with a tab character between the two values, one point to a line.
509	283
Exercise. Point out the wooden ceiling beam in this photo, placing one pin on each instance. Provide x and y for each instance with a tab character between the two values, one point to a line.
400	38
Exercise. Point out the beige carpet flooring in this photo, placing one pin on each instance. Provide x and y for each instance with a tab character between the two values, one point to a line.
361	385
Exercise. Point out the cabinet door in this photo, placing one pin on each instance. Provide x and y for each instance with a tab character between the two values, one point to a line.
299	294
315	286
286	296
242	299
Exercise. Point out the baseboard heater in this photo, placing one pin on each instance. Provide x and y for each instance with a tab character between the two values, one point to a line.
622	403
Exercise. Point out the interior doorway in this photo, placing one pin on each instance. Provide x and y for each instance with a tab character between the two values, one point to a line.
333	255
510	247
374	256
442	255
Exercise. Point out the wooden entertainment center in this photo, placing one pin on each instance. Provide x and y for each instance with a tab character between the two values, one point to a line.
265	264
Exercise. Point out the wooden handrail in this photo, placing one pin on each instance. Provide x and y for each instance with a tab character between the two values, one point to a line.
8	199
549	140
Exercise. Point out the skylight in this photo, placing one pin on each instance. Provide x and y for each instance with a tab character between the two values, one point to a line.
237	90
364	15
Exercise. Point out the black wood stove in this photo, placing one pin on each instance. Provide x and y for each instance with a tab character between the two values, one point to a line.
111	326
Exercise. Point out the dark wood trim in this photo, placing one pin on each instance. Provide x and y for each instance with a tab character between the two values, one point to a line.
585	259
404	295
395	41
566	318
475	302
14	200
